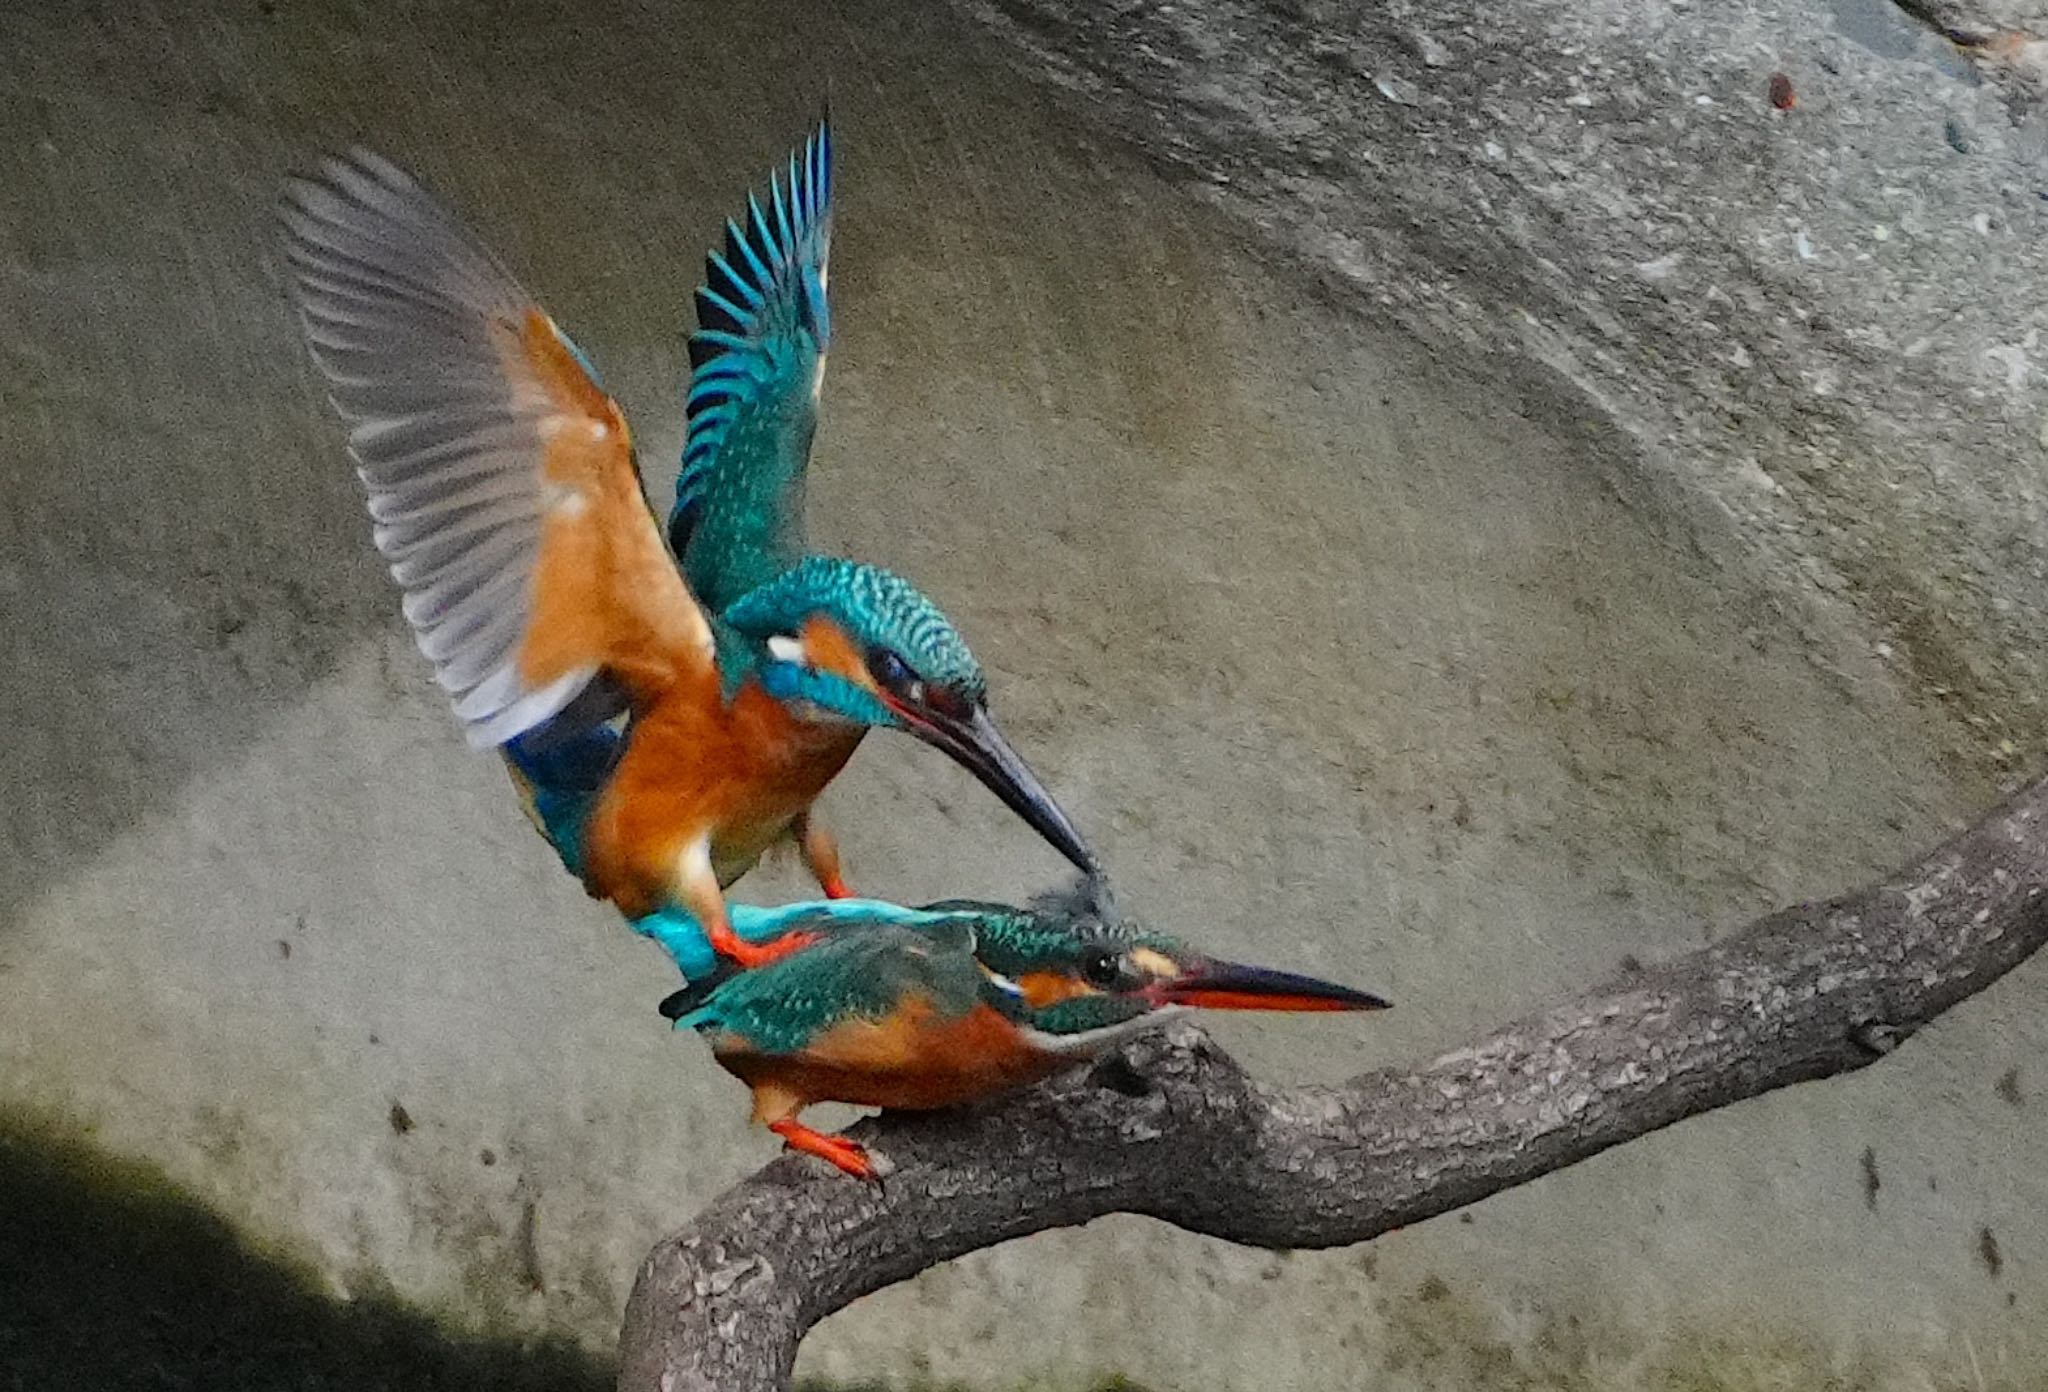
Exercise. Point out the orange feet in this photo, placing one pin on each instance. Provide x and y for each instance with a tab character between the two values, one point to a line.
835	888
700	894
850	1156
729	944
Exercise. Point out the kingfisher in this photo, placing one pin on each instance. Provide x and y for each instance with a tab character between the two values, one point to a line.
669	713
896	1007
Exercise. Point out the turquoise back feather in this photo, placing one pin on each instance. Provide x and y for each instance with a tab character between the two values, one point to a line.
1016	941
757	358
850	976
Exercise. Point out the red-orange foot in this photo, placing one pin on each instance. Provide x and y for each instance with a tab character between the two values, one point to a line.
835	888
727	943
850	1156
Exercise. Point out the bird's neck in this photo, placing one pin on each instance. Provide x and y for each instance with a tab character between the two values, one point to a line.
738	660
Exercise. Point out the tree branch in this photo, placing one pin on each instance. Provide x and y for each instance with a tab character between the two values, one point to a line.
1173	1128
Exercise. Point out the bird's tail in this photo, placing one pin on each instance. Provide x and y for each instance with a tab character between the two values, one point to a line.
690	1007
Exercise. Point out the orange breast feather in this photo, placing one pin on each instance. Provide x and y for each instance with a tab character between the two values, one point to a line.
743	771
910	1060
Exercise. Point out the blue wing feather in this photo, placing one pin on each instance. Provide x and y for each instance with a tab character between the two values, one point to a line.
560	767
763	327
863	971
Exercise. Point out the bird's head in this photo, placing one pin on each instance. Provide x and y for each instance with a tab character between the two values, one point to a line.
1076	989
836	640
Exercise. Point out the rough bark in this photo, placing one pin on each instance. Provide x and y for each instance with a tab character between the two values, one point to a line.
1173	1128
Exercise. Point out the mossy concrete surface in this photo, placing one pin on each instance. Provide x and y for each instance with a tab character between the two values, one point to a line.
1358	656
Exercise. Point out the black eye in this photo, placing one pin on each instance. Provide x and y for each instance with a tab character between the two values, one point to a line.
890	672
1099	967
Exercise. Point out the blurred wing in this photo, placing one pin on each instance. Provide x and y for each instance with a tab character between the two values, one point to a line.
757	364
500	476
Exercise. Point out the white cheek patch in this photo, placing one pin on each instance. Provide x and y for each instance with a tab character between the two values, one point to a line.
783	648
1154	964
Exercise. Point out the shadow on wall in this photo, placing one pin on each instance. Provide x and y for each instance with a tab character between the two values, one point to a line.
112	1278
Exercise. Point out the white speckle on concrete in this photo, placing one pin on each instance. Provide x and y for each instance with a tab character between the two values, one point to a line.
2013	360
1395	89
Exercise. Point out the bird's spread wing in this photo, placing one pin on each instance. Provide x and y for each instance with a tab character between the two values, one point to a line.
757	362
857	975
501	478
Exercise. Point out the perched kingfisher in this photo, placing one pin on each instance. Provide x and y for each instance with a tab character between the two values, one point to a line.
668	718
923	1008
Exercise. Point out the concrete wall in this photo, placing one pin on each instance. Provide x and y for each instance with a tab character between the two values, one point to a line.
1356	656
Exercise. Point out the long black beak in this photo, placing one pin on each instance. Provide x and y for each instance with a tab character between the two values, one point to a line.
1234	986
974	742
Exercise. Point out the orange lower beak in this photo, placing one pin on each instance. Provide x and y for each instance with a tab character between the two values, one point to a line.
1233	986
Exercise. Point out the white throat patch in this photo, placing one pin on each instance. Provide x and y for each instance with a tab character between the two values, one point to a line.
1088	1043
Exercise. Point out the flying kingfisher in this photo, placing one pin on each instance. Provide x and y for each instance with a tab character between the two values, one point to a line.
922	1008
668	718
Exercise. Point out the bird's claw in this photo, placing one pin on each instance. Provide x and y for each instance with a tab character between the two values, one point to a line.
847	1155
727	943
